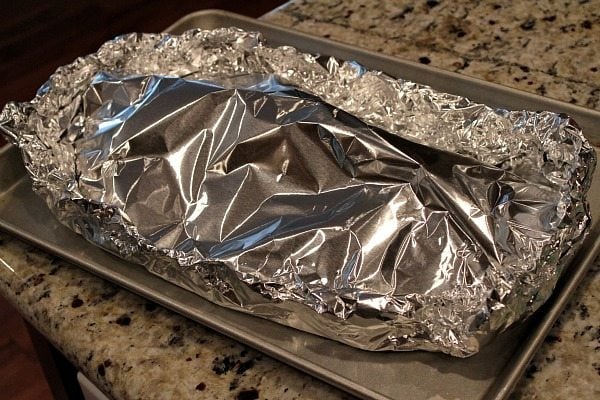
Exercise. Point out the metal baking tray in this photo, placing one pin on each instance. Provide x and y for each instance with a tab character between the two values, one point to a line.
491	374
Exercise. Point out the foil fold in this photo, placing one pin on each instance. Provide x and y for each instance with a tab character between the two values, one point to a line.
310	191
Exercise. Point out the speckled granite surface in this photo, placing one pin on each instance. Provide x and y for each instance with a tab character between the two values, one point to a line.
546	47
134	349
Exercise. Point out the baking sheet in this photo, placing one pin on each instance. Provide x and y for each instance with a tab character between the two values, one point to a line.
416	375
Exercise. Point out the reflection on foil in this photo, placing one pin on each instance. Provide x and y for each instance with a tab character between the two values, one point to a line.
318	194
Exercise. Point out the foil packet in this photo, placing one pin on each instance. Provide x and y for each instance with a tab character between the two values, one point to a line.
310	191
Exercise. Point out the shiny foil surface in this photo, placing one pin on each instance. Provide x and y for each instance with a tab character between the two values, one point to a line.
309	191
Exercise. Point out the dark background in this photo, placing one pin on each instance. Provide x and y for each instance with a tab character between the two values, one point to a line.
38	36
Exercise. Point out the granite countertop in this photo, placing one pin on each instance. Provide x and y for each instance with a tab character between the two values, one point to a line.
132	348
543	47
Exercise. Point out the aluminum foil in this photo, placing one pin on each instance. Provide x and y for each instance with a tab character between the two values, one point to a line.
312	192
